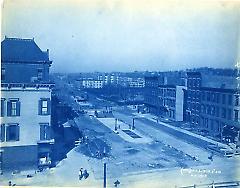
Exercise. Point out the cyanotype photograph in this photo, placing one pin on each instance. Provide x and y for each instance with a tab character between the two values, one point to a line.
120	93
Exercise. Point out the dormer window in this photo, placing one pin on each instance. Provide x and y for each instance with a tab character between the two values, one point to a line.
40	74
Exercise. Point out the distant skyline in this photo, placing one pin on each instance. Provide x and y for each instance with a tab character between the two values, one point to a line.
124	35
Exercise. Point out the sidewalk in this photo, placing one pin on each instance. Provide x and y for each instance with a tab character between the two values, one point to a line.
154	118
64	174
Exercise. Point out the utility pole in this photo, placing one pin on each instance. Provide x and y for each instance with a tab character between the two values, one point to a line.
133	127
115	124
104	175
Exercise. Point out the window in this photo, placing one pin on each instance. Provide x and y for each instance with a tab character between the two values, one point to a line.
208	96
194	94
203	95
206	122
197	120
190	83
2	133
3	72
217	97
212	97
223	112
213	109
236	100
236	115
217	111
198	83
203	109
194	83
229	114
44	131
12	132
230	99
13	107
2	107
40	74
223	98
44	107
208	109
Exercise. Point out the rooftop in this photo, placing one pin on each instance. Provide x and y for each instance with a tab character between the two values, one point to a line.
223	82
22	50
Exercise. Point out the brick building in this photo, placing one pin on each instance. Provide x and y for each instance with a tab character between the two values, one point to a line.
213	109
163	99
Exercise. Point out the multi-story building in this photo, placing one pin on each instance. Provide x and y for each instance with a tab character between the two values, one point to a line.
208	107
171	101
136	82
164	100
150	94
214	110
193	98
91	83
25	105
219	110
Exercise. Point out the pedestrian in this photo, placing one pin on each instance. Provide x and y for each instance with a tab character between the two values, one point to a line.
116	183
80	174
211	156
85	174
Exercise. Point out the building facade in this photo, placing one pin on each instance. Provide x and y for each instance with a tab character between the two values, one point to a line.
194	81
213	110
150	94
171	101
164	100
219	110
91	83
25	132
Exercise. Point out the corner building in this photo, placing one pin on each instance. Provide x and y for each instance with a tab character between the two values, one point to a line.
25	132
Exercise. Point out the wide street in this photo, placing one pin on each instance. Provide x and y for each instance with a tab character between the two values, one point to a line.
164	158
169	152
166	161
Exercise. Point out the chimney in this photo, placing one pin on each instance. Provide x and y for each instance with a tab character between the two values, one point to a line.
165	80
48	53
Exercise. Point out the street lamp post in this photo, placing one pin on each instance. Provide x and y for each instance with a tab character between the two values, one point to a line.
115	124
133	125
104	175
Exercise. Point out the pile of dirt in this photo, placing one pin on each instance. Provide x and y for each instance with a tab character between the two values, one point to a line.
95	148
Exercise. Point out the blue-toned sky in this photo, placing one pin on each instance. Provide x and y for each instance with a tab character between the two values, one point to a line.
128	35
